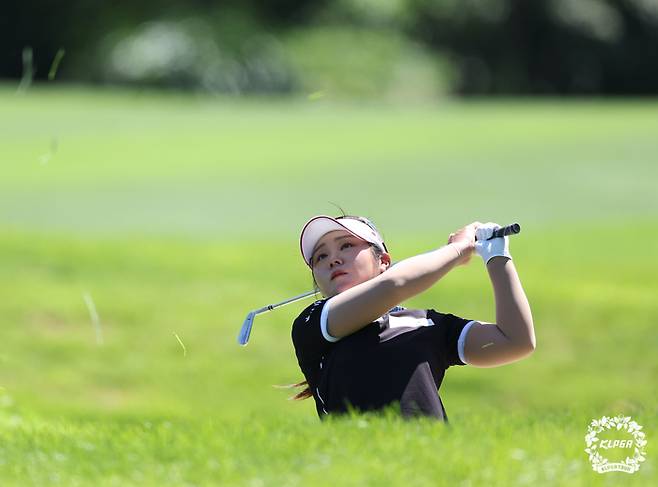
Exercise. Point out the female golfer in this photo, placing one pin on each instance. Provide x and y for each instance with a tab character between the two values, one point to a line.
358	349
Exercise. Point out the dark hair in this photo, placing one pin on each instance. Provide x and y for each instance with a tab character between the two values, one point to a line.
306	393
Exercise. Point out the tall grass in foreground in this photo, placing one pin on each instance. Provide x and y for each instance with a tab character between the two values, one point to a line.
489	447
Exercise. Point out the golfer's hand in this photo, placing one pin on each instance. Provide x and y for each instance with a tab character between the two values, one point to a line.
464	240
488	249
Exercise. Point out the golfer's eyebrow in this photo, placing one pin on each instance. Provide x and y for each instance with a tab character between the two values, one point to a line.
335	240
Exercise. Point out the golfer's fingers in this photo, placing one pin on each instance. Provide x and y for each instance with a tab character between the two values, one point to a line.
470	230
464	232
486	230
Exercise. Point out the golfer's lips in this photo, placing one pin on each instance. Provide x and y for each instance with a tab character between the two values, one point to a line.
337	273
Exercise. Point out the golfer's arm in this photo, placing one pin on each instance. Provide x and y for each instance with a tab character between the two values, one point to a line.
512	337
360	305
513	316
416	274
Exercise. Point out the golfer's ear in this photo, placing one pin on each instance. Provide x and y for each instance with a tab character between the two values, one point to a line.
386	259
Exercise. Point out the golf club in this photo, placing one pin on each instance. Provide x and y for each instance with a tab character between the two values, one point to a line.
245	331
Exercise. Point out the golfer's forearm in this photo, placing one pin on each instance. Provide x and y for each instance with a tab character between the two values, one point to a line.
513	315
416	274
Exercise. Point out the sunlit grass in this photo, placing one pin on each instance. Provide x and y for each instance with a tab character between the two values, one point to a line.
119	363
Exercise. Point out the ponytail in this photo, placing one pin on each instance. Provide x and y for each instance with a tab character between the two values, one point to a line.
304	394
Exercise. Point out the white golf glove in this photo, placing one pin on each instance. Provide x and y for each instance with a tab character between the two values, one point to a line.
496	247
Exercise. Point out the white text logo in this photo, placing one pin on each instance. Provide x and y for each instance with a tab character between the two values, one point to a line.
627	439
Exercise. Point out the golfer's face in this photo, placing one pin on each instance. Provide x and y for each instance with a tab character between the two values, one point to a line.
340	251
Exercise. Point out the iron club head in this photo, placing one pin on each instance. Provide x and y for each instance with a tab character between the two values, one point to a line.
245	331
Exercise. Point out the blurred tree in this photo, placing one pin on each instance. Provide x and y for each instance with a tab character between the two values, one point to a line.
338	60
551	46
496	46
79	26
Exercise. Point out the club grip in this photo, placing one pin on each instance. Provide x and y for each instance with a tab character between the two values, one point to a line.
512	229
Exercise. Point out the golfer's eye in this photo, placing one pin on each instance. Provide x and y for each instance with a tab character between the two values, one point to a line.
317	259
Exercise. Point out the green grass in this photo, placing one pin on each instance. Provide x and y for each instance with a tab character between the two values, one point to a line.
483	449
138	162
153	205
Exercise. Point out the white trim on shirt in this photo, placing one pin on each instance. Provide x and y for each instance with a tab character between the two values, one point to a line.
462	340
323	323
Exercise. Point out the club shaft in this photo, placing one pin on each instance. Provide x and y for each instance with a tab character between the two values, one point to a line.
270	307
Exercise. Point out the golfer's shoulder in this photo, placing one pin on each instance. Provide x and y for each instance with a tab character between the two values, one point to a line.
439	315
446	320
306	331
312	311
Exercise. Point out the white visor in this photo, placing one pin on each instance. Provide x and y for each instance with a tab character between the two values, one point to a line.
318	226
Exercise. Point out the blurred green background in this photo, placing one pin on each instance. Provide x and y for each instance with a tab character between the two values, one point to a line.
155	176
395	49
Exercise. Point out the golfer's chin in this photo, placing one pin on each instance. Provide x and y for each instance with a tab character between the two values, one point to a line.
343	284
